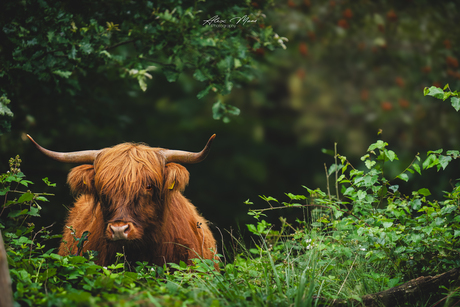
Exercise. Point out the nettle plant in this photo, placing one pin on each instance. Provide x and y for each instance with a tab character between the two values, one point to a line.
410	234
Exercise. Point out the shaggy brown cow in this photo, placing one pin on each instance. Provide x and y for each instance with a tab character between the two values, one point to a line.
130	200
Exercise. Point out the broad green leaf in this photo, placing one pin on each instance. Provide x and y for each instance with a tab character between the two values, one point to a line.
404	177
455	101
391	155
17	213
393	282
4	190
387	224
26	197
435	92
25	182
41	198
361	194
416	167
430	161
252	228
424	192
296	197
34	211
377	145
444	161
369	164
349	191
268	198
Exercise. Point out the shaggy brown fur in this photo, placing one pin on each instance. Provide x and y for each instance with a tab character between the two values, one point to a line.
130	184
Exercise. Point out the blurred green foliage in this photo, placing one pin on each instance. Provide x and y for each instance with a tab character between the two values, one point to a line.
60	41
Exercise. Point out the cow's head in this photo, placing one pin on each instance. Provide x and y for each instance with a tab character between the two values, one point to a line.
130	183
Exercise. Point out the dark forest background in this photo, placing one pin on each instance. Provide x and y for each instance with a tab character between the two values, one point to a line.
347	71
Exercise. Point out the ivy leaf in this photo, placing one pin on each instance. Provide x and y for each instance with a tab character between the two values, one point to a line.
387	224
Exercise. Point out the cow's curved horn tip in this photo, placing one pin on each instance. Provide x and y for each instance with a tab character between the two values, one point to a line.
30	138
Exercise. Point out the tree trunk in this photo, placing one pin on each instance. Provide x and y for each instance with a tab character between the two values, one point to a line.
422	289
6	295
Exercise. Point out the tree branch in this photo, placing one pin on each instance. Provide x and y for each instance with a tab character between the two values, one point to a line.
120	44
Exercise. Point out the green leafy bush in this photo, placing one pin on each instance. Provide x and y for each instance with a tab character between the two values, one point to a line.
410	235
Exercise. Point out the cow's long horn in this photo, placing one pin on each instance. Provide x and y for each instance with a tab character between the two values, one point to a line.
85	156
180	156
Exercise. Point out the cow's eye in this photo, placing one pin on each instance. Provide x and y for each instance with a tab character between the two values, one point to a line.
149	187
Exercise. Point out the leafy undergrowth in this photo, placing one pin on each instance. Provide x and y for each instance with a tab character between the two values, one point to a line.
366	238
369	240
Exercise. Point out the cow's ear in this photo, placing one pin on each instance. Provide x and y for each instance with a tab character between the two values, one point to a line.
81	179
176	177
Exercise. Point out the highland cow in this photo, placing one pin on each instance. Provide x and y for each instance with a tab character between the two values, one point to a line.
130	200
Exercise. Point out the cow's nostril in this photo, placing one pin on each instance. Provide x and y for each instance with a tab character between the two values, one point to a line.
120	232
